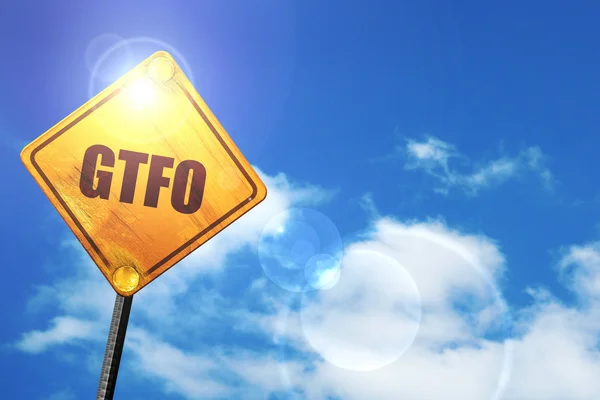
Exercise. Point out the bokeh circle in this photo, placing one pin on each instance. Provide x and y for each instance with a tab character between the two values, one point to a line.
300	249
322	331
369	319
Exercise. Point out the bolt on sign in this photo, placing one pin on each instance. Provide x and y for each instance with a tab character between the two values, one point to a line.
143	174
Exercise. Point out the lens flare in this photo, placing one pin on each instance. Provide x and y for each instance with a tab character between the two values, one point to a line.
300	249
141	93
120	58
369	319
322	271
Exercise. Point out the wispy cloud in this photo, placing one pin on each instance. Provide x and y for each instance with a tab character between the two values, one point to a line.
66	394
580	268
368	205
62	330
453	170
181	372
11	141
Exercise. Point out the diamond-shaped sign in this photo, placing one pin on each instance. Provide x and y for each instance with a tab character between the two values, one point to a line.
143	174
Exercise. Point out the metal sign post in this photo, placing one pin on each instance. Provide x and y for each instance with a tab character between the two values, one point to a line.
114	348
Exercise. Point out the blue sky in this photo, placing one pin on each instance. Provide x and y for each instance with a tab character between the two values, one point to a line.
451	147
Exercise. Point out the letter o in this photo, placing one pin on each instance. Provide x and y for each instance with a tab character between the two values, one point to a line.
180	182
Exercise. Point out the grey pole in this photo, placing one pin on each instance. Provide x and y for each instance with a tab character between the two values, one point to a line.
114	348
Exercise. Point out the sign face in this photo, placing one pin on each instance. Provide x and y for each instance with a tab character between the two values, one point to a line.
143	174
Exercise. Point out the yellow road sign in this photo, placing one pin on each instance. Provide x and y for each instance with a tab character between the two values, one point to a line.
143	174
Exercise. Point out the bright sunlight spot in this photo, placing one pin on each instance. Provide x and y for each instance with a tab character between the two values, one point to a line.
141	92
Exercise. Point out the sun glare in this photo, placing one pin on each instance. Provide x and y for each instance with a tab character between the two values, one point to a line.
141	92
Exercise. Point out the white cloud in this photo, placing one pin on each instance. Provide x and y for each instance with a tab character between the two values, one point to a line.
185	374
369	319
63	330
553	357
85	300
434	156
459	349
432	152
557	355
581	268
